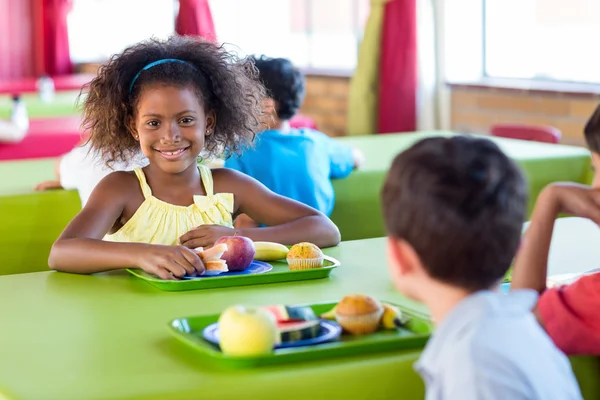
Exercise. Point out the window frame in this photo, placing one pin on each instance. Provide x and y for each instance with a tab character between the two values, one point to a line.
538	84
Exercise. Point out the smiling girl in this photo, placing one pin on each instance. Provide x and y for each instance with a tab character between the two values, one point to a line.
172	100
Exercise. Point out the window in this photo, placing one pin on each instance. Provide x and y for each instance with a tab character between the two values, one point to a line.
100	28
320	34
542	39
522	39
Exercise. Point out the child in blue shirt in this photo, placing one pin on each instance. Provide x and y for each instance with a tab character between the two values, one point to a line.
454	210
295	163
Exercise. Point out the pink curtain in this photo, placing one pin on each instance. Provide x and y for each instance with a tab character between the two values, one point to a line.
16	27
398	68
55	37
195	19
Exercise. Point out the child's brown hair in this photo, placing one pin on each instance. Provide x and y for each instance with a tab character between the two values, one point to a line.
460	203
225	85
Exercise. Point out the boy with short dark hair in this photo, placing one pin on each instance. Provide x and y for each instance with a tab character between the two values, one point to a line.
454	209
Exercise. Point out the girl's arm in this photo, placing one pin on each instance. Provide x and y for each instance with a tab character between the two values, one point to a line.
288	221
80	248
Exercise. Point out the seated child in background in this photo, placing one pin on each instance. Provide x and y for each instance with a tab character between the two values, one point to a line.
454	209
295	163
81	169
570	313
173	100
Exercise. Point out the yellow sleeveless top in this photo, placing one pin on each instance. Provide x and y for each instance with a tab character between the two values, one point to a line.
158	222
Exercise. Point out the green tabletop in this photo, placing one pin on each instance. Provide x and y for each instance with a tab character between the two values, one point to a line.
357	207
62	105
101	337
104	337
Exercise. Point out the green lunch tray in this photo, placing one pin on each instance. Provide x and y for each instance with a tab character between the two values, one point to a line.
413	335
280	273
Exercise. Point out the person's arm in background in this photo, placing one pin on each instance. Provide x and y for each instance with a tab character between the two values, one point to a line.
568	313
343	158
531	264
67	169
54	183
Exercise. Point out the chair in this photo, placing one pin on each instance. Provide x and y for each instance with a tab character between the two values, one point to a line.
536	133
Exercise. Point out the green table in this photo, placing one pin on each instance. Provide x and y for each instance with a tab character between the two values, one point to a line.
101	337
62	105
357	207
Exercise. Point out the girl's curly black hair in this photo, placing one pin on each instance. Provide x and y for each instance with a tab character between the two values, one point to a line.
225	85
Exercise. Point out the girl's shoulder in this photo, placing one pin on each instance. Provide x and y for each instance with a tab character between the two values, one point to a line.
119	182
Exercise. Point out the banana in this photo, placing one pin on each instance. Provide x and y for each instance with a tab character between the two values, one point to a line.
329	314
391	318
270	251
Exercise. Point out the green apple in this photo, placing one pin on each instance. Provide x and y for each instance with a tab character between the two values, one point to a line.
247	331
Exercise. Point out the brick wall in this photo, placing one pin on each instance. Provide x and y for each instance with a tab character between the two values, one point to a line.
326	102
474	109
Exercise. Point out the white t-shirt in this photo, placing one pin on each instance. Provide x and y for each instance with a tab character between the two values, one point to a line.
82	169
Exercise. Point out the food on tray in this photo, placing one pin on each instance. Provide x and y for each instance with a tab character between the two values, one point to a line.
292	331
359	314
212	253
247	331
212	257
304	256
283	313
330	315
295	322
216	265
391	318
270	251
240	252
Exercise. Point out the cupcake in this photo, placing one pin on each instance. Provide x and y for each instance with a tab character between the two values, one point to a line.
359	314
304	256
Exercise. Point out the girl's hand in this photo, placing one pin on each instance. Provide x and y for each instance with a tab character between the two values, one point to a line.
205	236
169	262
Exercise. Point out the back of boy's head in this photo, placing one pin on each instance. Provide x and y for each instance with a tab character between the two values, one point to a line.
460	203
284	84
225	85
592	131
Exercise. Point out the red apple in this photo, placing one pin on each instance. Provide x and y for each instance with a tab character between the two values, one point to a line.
240	252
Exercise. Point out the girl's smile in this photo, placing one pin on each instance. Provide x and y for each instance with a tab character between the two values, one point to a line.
173	154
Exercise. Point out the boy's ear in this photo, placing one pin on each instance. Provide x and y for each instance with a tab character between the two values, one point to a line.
211	122
403	257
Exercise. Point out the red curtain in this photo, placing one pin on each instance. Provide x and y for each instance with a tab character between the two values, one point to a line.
53	38
16	60
195	19
398	68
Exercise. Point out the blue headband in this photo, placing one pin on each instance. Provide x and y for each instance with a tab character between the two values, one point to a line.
155	63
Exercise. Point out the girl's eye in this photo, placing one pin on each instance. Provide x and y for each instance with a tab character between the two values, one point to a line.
186	120
153	123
